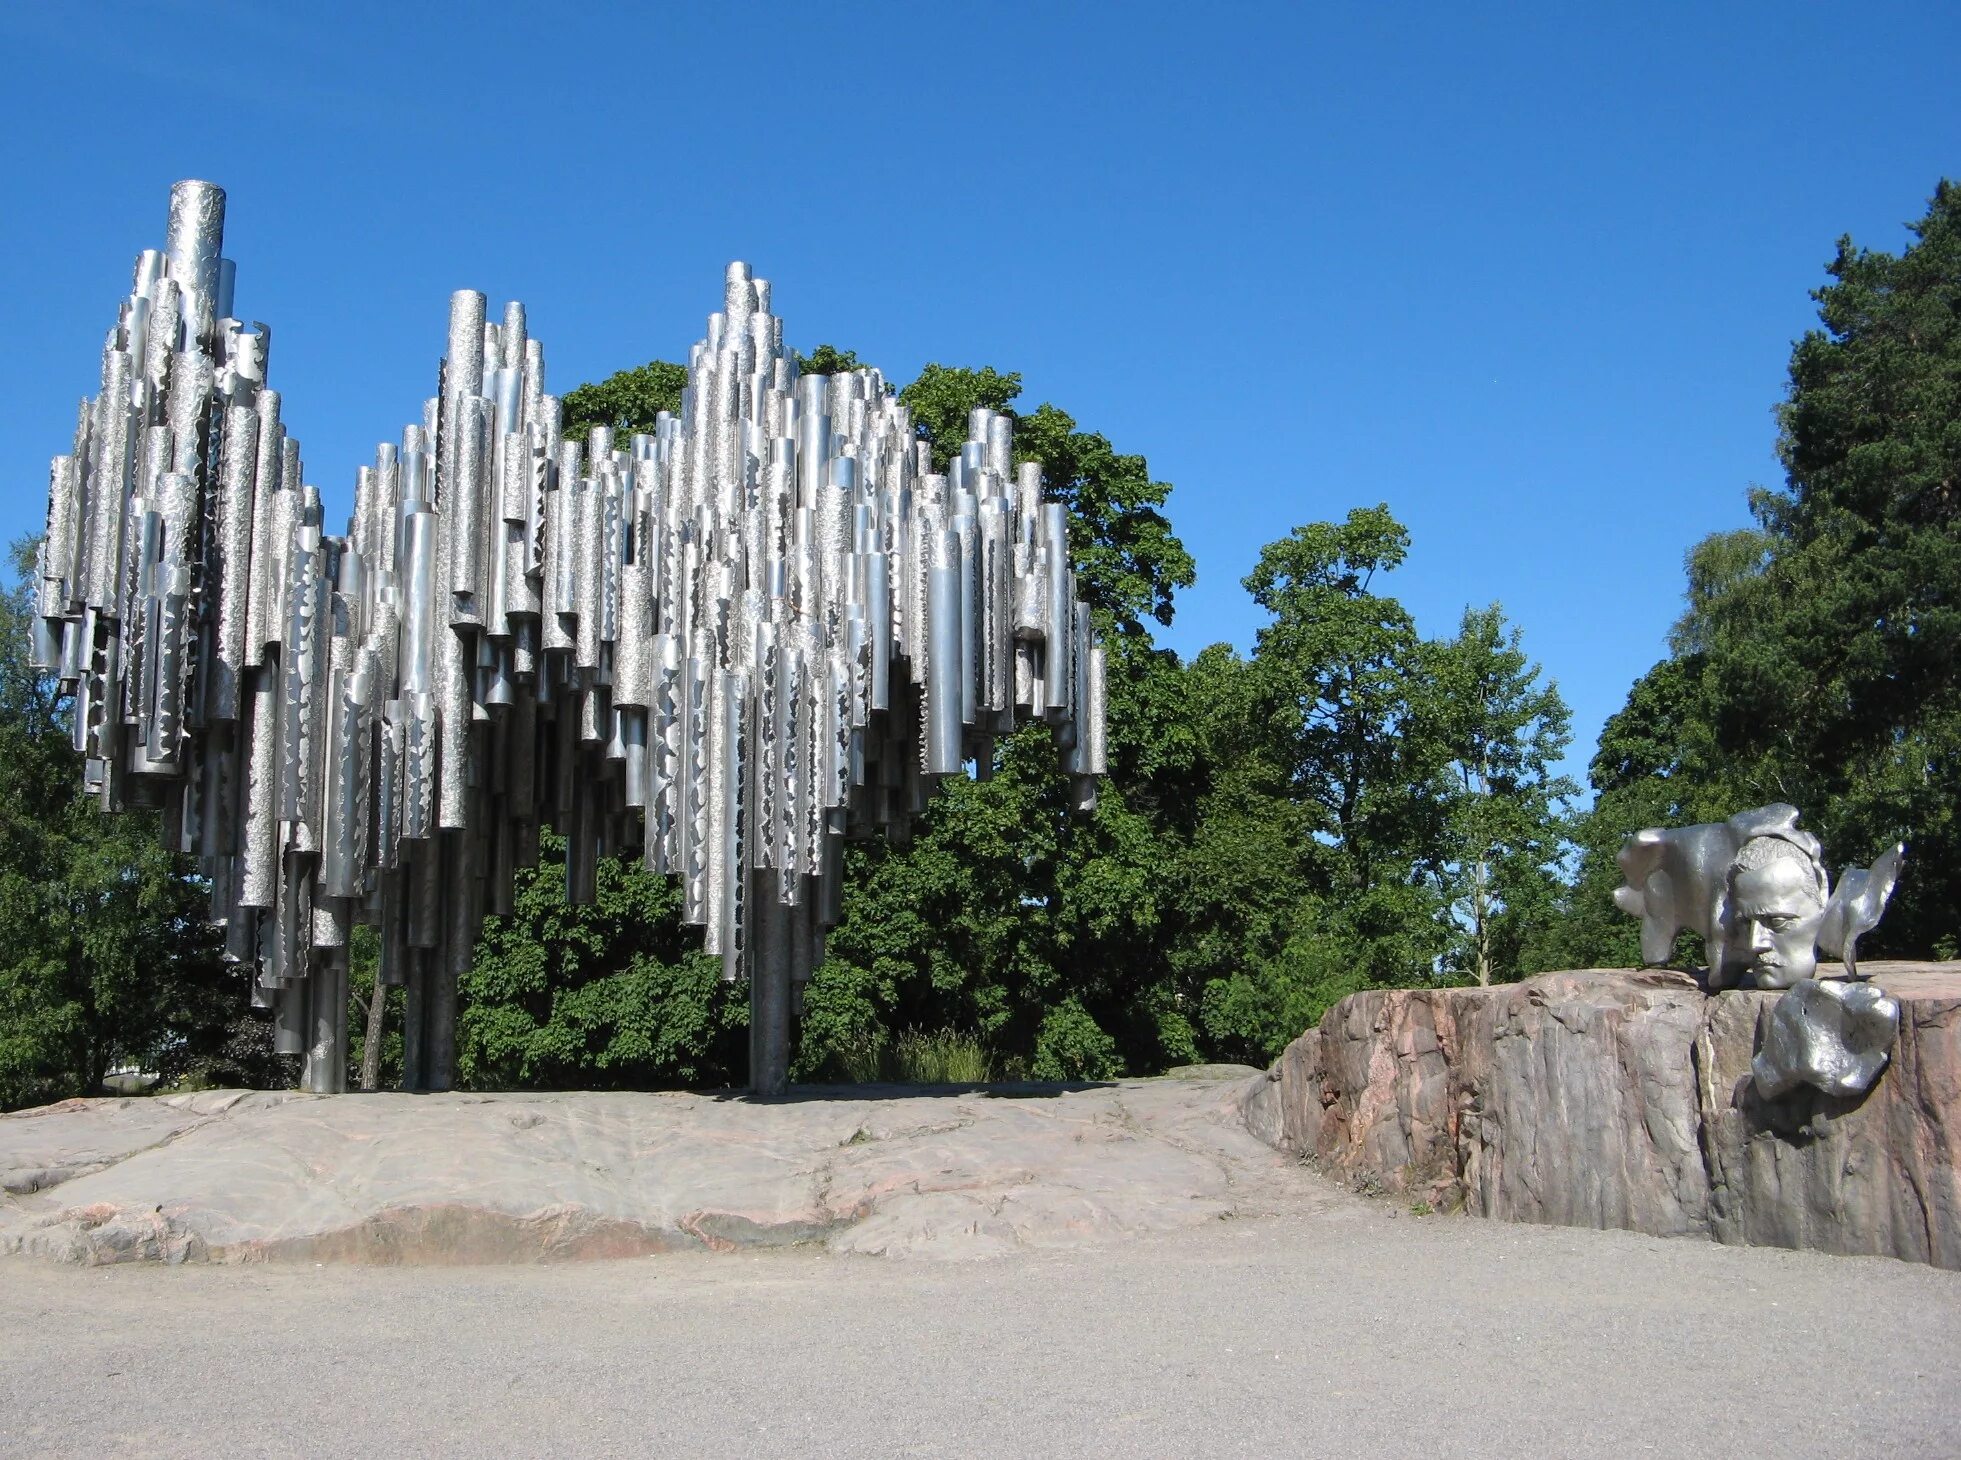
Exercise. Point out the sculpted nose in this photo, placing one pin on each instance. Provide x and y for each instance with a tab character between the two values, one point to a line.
1760	939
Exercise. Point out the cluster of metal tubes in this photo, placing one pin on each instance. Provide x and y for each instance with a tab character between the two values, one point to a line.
732	643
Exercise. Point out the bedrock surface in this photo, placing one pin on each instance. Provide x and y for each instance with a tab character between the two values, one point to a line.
231	1176
1614	1098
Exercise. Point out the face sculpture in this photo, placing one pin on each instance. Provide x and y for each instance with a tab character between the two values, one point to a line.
1776	904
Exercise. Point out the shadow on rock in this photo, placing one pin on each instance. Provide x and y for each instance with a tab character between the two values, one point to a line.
1005	1090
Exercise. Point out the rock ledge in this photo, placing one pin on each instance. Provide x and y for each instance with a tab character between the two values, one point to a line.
1615	1098
235	1176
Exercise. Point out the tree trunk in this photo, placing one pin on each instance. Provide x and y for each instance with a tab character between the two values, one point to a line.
371	1043
1482	896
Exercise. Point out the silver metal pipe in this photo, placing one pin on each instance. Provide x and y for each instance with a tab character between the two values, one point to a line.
195	237
942	755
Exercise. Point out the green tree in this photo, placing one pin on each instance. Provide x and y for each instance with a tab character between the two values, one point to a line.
1009	908
1328	756
105	956
612	994
1498	869
1251	934
829	360
1342	673
626	401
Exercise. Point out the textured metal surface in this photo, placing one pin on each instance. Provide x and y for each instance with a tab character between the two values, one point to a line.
1833	1036
1756	890
729	643
1755	887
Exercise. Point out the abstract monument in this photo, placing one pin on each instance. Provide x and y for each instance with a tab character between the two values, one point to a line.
765	627
1755	888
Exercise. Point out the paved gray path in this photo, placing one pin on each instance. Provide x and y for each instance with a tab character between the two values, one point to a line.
1342	1330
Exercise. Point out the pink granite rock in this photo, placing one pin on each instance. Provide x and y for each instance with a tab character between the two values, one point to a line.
1879	1174
457	1178
1614	1098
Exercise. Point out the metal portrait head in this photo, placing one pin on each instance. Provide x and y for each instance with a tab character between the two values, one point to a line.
1778	893
1755	889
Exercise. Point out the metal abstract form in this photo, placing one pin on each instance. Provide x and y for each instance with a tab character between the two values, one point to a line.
732	643
1831	1034
1755	888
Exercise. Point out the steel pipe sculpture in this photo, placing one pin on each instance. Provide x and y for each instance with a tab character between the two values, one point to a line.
765	627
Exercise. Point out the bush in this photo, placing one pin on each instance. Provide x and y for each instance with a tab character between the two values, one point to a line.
1073	1046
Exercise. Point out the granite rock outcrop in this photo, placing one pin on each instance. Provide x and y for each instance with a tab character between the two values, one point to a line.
1622	1098
236	1176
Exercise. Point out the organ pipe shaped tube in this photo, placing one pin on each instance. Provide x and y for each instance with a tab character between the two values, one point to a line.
942	749
195	236
261	609
633	678
339	873
58	559
713	819
562	537
258	878
275	548
1095	717
967	566
633	733
611	548
813	437
234	548
108	483
692	782
152	343
301	662
586	568
1057	621
418	775
1073	735
463	366
878	596
766	841
192	381
465	505
996	626
289	1018
418	600
731	861
454	716
665	731
165	721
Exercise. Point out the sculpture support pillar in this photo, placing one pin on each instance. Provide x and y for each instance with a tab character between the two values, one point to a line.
767	954
415	1021
325	1070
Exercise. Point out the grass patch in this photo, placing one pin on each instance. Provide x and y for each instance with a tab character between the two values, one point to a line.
942	1057
863	1064
923	1057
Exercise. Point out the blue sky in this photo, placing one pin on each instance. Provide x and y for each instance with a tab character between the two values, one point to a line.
1530	276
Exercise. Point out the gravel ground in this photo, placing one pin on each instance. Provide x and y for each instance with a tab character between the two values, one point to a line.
1352	1330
